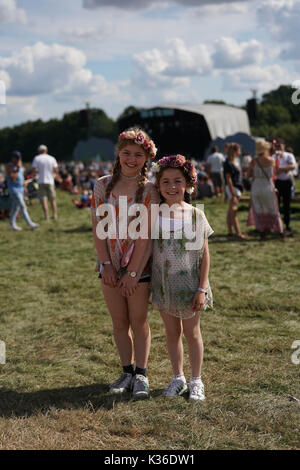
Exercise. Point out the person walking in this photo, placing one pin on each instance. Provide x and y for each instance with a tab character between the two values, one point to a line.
233	188
285	164
264	211
15	184
46	167
214	167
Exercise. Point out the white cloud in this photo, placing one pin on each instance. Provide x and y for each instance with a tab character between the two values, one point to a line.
172	66
164	67
140	4
49	80
230	54
256	77
9	13
89	33
239	7
56	69
281	19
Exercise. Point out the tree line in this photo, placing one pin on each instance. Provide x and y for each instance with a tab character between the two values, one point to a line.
277	116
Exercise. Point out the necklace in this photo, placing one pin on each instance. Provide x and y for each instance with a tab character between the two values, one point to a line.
129	177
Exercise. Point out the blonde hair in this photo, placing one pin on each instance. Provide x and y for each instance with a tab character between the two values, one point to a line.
232	150
262	146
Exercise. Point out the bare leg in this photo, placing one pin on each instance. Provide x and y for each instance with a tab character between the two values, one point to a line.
192	333
138	312
229	220
117	306
173	328
54	209
45	208
235	221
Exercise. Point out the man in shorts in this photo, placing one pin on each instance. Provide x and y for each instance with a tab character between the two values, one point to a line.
46	167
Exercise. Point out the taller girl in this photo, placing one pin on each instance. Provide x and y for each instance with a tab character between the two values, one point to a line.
124	273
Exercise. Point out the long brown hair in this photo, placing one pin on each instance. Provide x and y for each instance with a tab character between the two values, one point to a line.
187	196
232	150
116	172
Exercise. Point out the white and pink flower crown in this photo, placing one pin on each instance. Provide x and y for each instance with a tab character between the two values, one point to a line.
140	139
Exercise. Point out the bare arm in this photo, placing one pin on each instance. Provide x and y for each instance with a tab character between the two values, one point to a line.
139	258
199	297
13	175
205	264
109	274
229	182
286	169
250	169
143	247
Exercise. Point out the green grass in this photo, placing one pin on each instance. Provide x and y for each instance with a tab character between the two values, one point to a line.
61	355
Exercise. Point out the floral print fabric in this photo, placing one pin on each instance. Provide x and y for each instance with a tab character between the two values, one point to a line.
176	270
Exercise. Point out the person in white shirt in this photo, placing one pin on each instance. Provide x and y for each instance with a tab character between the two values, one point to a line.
285	163
46	167
214	168
293	173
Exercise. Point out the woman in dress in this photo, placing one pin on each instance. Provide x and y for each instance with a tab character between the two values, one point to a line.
264	211
124	275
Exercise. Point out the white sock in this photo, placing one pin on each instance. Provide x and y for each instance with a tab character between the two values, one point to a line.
195	379
179	377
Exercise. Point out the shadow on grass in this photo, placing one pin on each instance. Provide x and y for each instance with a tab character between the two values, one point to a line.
94	397
82	229
253	237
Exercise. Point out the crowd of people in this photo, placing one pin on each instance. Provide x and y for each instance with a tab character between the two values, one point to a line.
177	276
269	176
40	179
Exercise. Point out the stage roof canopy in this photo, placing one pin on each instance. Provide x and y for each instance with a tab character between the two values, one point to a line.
222	120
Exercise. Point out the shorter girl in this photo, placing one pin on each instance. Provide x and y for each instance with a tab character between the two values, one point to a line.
180	287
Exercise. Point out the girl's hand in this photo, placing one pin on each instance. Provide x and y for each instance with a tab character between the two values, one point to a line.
128	285
109	276
198	301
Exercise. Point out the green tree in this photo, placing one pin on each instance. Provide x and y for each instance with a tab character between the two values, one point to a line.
282	96
273	115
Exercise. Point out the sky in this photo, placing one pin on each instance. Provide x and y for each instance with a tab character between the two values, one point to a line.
57	55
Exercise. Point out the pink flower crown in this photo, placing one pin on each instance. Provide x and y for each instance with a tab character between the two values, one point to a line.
140	139
175	161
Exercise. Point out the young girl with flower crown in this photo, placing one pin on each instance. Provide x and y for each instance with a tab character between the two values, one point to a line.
123	266
180	286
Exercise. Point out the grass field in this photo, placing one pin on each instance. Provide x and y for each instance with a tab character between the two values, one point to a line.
61	355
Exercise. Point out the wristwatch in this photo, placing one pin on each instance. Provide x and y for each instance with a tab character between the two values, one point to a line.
132	274
102	266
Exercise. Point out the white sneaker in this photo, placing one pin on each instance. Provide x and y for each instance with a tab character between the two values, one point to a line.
175	388
140	387
15	227
123	384
196	391
33	226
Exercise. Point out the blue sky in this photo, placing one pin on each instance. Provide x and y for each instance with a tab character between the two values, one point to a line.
55	55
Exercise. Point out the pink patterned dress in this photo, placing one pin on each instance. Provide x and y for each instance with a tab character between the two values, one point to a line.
150	196
264	211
